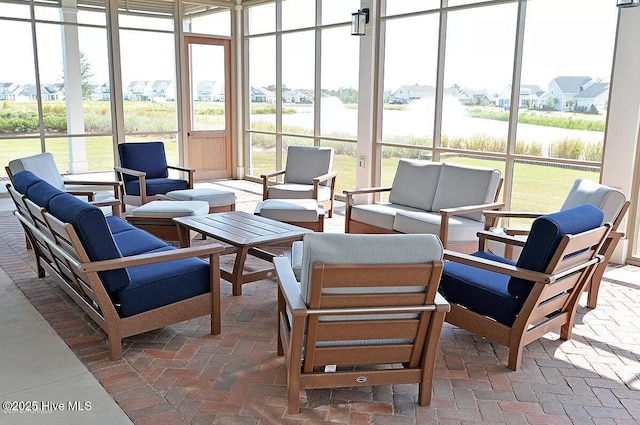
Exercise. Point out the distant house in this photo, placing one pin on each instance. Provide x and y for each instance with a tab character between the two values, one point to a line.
52	92
297	96
101	92
530	95
210	91
476	97
9	91
562	91
593	99
137	90
48	92
162	90
260	94
406	94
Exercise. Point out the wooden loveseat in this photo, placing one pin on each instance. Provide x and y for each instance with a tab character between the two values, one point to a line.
127	280
429	197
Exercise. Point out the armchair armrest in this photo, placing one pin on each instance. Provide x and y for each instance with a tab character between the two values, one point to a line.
514	271
492	217
445	213
130	172
350	193
190	173
289	286
508	240
325	177
115	205
265	182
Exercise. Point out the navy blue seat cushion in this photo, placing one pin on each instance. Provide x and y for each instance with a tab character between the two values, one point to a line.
23	180
117	225
148	157
156	186
131	240
160	284
482	291
94	233
544	238
496	295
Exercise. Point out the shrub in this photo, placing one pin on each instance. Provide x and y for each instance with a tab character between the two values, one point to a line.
567	148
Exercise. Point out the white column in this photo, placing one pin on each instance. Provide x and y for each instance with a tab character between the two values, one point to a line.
624	115
73	87
237	79
367	116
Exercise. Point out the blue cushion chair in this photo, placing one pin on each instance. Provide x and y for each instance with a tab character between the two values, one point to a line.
611	201
515	303
144	172
366	304
124	278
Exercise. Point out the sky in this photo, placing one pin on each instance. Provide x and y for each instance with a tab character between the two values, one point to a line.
562	37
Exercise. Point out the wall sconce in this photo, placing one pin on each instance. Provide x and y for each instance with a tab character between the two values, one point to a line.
628	3
359	20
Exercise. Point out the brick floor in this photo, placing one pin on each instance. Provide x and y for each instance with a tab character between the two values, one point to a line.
183	375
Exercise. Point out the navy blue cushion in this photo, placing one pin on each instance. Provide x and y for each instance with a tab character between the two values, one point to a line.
94	233
148	157
23	180
42	193
137	241
544	238
117	225
482	291
160	284
156	186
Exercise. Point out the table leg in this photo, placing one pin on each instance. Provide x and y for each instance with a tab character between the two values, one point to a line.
238	270
184	236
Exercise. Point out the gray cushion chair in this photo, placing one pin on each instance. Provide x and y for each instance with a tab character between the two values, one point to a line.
44	166
307	175
611	201
366	307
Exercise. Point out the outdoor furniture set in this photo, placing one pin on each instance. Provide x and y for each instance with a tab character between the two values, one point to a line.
352	308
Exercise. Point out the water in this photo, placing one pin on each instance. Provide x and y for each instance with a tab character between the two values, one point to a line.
417	121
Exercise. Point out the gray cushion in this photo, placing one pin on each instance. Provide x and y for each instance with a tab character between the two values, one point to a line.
608	199
339	248
415	183
215	197
304	163
170	209
380	215
460	229
290	210
42	165
298	191
460	186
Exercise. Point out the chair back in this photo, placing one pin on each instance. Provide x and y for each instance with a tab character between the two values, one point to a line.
304	163
374	295
541	250
149	157
611	201
42	165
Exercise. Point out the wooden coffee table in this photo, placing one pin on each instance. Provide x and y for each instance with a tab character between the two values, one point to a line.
244	232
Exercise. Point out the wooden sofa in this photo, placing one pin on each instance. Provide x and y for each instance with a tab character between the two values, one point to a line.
429	197
127	280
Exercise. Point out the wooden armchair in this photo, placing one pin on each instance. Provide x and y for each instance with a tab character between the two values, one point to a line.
44	166
308	175
513	303
144	173
365	304
611	201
